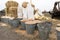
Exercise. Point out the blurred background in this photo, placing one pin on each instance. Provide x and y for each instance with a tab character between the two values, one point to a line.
40	4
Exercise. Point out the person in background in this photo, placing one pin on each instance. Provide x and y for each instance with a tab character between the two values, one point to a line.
28	11
31	11
24	10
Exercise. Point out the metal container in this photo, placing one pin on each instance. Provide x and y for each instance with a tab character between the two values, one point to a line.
58	33
44	30
5	20
19	20
14	23
36	21
23	24
30	27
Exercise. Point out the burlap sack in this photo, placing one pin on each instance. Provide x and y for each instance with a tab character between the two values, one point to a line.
11	4
11	8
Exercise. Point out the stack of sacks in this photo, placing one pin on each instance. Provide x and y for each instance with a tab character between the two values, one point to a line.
11	8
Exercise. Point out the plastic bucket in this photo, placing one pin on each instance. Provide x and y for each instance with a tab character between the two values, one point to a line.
44	29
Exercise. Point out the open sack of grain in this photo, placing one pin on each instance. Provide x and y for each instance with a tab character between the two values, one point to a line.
43	18
40	16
